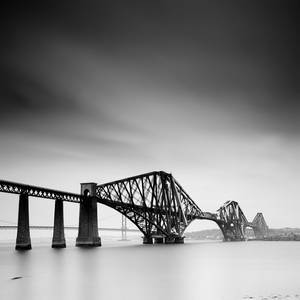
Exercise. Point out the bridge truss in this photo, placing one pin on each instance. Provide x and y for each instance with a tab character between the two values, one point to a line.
154	202
35	191
158	205
233	222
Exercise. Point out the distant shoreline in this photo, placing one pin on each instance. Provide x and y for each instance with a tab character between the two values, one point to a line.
280	234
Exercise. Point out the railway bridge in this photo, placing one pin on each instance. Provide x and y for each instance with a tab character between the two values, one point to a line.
155	202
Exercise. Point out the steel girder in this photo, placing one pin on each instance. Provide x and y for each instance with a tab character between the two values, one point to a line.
154	202
34	191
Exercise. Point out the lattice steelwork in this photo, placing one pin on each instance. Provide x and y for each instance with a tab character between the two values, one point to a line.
154	202
34	191
233	221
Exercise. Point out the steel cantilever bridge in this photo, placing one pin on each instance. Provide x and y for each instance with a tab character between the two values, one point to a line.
155	202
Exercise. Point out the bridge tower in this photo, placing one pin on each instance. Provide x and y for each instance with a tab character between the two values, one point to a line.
88	221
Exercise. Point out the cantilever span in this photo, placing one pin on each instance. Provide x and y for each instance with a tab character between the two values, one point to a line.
233	222
159	206
155	202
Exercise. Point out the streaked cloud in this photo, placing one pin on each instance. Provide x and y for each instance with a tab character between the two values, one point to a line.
104	90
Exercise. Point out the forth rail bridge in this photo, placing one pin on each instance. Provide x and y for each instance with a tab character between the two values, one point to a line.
155	202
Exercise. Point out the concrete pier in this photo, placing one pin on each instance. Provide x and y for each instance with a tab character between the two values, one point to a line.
158	240
88	221
169	240
147	240
58	240
23	241
179	240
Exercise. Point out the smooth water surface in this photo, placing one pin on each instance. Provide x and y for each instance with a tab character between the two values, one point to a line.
130	270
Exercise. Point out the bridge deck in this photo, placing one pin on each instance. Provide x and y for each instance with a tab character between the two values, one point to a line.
35	191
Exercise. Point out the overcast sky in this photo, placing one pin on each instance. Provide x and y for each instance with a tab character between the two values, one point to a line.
101	90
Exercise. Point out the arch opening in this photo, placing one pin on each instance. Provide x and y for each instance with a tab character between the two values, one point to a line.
144	224
86	193
204	230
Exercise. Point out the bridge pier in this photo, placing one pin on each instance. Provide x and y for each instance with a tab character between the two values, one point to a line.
158	240
147	240
232	231
58	240
169	240
23	241
88	221
179	240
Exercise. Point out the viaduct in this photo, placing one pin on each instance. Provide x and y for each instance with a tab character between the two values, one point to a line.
155	202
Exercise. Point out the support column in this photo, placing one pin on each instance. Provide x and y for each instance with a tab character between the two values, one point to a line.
23	241
88	221
147	240
58	240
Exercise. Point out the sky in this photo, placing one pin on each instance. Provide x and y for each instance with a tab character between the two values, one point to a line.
102	90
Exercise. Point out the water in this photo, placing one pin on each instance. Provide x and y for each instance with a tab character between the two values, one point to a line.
130	270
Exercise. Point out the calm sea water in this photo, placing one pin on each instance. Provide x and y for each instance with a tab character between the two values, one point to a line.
130	270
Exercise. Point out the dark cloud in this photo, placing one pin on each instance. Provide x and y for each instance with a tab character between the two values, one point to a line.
237	54
23	94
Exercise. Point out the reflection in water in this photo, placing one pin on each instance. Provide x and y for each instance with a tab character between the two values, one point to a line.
129	270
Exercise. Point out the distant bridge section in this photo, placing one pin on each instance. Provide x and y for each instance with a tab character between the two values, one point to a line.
234	222
259	226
